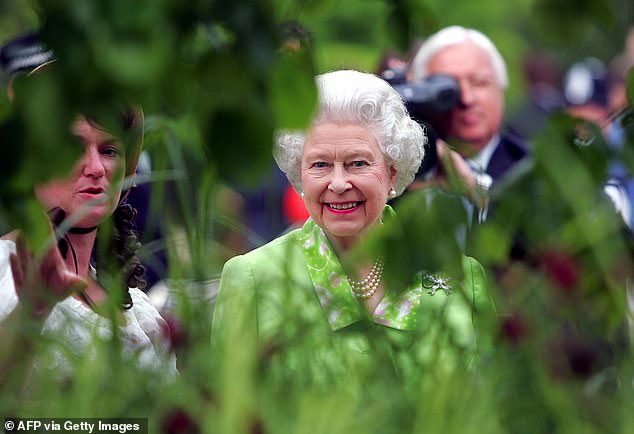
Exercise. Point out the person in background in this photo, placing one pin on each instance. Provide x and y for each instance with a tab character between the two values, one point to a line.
543	76
392	67
473	129
25	54
61	291
590	92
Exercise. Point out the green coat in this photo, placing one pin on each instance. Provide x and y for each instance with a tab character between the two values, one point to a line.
288	305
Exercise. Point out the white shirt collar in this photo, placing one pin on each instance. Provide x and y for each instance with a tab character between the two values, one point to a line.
482	158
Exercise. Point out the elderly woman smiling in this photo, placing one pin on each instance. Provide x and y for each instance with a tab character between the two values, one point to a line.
294	294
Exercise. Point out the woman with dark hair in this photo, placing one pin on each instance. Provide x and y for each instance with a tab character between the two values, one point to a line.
61	290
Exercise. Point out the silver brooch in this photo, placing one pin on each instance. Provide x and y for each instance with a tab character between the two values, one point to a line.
437	281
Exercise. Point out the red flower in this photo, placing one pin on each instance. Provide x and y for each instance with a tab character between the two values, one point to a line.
178	421
561	268
513	328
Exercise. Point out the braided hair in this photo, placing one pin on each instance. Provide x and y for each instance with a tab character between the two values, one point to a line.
125	245
122	247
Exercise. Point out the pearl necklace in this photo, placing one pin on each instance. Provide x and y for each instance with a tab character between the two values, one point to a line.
365	288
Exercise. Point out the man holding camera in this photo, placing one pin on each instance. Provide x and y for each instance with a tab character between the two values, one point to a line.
483	155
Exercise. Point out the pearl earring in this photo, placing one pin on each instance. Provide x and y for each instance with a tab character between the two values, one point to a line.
301	195
392	193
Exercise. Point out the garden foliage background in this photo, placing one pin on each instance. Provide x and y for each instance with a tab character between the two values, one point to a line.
216	78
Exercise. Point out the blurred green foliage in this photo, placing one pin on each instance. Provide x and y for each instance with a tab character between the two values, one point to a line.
216	79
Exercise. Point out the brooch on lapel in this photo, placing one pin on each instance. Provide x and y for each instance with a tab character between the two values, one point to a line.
435	282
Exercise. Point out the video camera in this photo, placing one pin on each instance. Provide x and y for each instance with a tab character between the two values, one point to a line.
426	100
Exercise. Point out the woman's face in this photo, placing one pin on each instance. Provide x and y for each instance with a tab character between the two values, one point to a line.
96	178
346	180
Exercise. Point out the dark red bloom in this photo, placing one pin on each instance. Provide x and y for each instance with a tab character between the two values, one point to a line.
574	356
257	427
178	421
513	329
582	360
561	268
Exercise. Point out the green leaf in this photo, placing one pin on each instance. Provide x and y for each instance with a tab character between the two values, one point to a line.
492	242
239	143
292	90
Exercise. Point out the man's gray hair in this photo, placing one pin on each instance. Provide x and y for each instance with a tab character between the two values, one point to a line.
451	36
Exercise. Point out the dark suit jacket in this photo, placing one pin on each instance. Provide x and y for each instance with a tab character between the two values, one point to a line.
507	154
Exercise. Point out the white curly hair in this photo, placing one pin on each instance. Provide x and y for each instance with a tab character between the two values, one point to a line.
364	99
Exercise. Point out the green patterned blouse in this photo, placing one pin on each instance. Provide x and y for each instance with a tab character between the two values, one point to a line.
399	311
292	301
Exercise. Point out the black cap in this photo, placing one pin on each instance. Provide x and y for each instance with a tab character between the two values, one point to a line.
23	54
